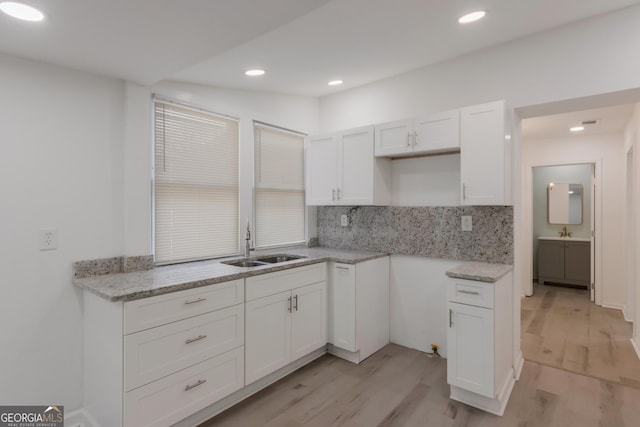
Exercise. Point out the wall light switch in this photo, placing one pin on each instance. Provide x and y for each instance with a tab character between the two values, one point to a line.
466	223
344	220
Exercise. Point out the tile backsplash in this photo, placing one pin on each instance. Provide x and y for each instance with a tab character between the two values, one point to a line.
426	231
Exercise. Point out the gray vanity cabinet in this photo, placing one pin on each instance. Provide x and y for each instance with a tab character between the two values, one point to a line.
564	261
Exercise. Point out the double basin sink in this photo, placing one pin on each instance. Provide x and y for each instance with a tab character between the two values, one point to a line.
262	261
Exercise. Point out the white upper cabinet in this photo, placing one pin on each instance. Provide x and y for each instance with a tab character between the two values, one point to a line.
431	134
485	155
342	170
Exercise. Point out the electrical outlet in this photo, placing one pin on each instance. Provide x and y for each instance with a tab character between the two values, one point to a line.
467	225
344	220
48	239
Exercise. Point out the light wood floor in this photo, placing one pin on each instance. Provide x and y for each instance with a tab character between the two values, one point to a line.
401	387
563	329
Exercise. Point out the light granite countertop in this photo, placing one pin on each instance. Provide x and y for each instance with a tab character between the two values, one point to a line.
480	271
177	277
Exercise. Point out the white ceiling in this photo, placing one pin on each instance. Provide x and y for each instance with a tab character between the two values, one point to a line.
610	120
301	43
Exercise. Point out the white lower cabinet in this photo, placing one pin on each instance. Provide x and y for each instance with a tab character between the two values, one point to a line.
158	360
479	342
286	318
359	308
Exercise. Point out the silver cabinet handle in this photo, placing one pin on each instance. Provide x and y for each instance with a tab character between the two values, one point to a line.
189	387
342	268
462	291
198	338
295	304
193	301
338	194
289	304
333	194
464	191
408	139
415	138
450	318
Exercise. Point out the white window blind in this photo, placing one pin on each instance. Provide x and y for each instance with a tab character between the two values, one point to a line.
279	187
196	184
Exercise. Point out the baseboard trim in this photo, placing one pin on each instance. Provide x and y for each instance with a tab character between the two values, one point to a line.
518	366
353	357
625	315
636	346
494	406
79	418
614	306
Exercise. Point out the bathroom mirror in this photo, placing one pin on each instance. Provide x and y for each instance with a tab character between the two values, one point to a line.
564	203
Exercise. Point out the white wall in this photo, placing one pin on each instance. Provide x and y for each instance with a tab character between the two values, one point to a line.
632	236
61	133
591	57
418	302
541	177
608	150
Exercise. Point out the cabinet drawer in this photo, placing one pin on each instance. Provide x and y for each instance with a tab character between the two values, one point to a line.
286	280
158	352
173	398
470	292
154	311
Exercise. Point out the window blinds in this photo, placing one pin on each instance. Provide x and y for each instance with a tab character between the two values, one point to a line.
279	208
196	184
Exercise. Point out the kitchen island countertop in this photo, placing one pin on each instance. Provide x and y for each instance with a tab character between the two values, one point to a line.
479	271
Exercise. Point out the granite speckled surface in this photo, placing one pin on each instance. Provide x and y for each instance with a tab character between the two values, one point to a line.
479	271
98	267
171	278
426	231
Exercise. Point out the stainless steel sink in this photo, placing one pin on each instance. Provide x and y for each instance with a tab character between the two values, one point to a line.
262	261
274	259
245	263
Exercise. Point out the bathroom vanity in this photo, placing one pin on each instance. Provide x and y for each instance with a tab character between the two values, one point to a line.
564	260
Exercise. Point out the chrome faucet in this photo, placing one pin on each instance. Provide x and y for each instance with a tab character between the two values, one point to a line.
247	242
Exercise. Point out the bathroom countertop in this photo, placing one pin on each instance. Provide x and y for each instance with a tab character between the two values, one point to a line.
575	239
480	271
177	277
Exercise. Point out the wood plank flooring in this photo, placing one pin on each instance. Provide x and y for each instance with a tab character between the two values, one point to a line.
563	329
400	387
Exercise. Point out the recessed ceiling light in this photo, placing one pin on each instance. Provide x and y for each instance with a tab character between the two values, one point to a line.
577	129
21	11
335	82
254	73
471	17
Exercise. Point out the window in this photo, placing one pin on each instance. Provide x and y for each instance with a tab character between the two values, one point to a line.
196	184
279	208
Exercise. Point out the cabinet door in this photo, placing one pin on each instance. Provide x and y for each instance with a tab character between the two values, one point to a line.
343	306
551	260
394	138
309	320
470	349
438	132
321	170
482	155
268	335
356	167
577	261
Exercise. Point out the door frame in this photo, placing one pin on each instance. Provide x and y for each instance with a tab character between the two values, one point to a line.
527	225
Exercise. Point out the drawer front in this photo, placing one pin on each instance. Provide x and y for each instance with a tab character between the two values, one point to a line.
470	292
158	352
173	398
286	280
162	309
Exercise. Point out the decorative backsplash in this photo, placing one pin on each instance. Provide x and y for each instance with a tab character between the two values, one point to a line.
426	231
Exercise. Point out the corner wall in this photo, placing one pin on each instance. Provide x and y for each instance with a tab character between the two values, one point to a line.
61	166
